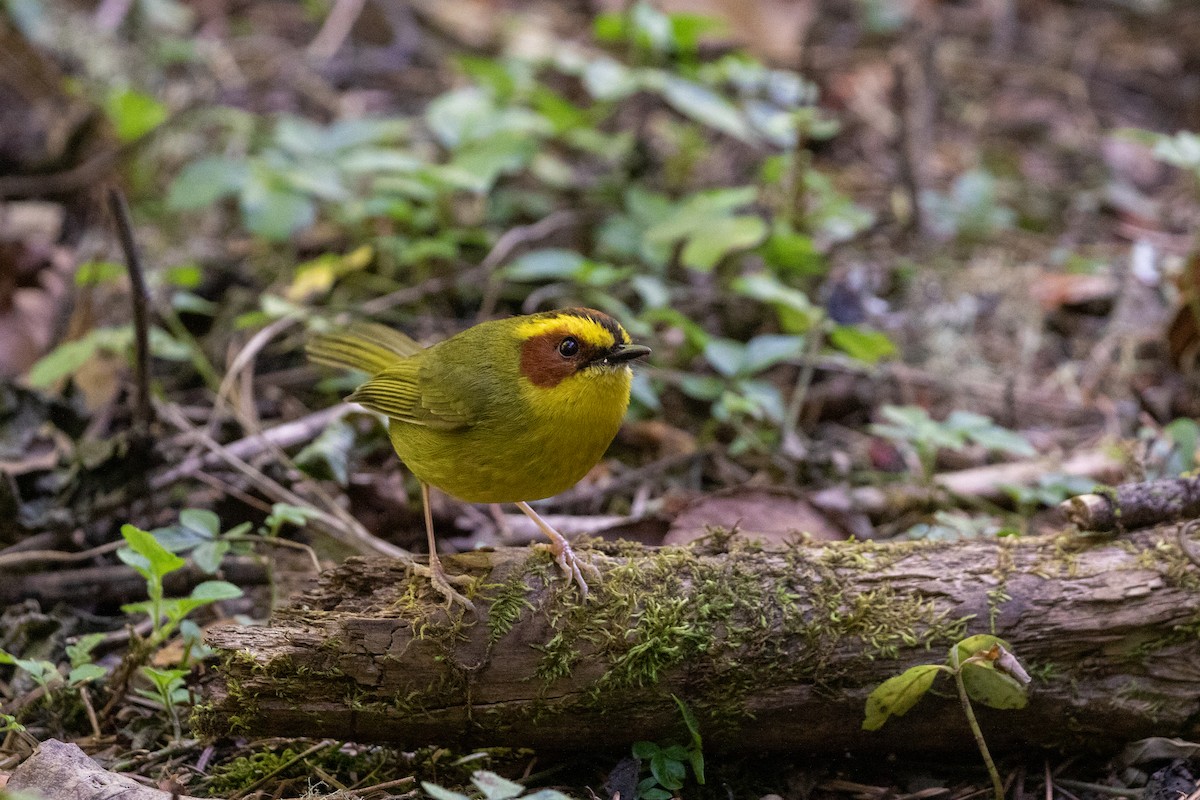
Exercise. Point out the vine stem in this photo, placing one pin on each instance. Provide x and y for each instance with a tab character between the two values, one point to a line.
997	785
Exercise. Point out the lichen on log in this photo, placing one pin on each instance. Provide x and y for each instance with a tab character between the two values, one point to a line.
771	650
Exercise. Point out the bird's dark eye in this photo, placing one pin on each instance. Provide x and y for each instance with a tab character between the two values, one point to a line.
568	347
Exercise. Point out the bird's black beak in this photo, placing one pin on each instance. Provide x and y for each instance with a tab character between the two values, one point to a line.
621	353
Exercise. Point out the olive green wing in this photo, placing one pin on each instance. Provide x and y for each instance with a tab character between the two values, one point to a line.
422	391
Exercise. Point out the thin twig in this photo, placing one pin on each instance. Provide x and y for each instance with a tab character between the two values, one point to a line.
91	712
274	542
143	413
808	368
241	361
509	241
337	26
1099	788
56	556
339	523
285	435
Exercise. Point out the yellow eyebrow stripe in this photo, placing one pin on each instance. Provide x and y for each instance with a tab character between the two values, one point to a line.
586	329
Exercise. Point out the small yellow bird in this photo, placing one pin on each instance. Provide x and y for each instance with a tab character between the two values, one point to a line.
507	411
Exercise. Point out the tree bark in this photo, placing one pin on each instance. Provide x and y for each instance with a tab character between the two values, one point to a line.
771	650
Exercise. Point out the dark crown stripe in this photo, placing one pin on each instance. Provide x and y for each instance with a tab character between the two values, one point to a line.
600	318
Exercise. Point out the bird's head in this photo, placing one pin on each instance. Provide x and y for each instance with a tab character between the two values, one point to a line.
575	345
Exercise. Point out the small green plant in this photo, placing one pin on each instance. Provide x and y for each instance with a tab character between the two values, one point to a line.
169	692
984	669
492	787
154	562
47	675
1169	451
668	765
912	427
972	210
1181	150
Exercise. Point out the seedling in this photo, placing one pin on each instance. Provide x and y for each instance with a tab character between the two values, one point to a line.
912	427
154	562
169	691
984	669
668	765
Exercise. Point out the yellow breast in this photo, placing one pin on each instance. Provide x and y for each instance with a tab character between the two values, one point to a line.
561	434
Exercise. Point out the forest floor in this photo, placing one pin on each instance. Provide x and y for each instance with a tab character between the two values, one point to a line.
946	249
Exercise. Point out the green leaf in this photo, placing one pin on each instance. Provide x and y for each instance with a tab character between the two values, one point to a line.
708	245
767	350
705	106
645	750
607	79
653	792
328	456
163	679
701	387
212	591
675	752
862	344
667	771
897	695
80	651
494	787
146	555
726	356
689	719
208	555
183	276
796	312
204	182
96	273
985	684
373	161
986	433
66	359
549	264
133	114
201	520
283	513
485	160
84	673
979	643
787	251
273	213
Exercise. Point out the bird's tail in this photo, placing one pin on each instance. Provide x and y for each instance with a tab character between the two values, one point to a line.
366	346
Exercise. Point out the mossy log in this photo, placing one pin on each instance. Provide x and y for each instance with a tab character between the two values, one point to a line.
771	650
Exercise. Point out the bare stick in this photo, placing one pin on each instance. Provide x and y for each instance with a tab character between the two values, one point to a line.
143	413
504	247
1135	505
337	26
285	435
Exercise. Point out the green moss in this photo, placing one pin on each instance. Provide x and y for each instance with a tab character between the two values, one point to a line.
673	606
506	607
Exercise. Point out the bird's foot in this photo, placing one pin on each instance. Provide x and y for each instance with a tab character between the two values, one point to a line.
571	565
445	584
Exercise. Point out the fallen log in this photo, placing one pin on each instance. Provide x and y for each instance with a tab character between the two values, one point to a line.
771	650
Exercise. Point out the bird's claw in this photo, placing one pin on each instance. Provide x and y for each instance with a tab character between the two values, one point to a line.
443	584
571	565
